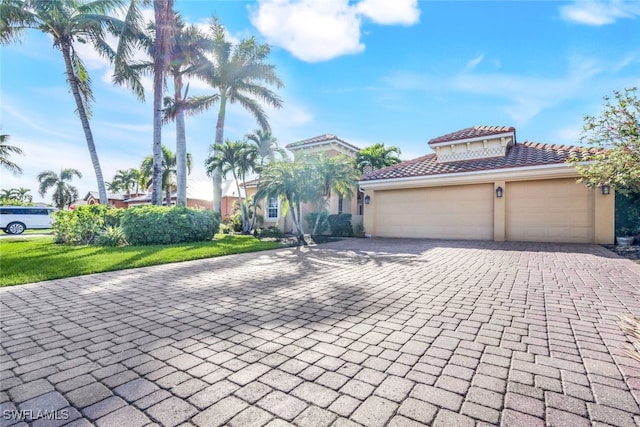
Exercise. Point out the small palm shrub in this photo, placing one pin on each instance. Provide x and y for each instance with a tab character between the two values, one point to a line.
153	225
111	236
630	325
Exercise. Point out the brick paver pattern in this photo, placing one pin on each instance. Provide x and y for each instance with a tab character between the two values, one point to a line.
368	332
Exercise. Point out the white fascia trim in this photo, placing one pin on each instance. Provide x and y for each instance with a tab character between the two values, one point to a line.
325	142
560	170
475	138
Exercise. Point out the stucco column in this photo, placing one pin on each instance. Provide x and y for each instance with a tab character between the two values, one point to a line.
369	212
499	212
604	217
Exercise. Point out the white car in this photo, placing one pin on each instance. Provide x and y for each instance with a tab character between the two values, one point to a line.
16	219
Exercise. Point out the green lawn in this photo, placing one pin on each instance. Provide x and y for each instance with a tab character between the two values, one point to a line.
26	260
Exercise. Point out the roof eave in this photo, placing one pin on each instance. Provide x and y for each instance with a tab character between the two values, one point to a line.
522	173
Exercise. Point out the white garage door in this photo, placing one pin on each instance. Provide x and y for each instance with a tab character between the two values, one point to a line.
549	211
455	212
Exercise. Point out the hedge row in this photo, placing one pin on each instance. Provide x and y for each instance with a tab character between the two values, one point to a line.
145	225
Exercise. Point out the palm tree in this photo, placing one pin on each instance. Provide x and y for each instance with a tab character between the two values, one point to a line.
67	22
168	170
124	180
377	156
266	149
187	59
335	176
22	194
290	181
236	157
239	74
7	150
64	194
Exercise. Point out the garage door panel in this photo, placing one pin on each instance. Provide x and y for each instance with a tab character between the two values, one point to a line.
549	211
456	212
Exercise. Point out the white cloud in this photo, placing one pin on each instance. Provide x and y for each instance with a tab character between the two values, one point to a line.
597	13
315	31
475	62
404	12
311	30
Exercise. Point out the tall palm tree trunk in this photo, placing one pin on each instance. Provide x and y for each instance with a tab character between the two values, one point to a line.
162	13
181	145
82	112
217	174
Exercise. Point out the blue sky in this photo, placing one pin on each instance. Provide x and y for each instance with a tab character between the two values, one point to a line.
399	72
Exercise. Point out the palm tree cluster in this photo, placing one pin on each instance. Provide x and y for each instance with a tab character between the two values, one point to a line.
242	158
308	179
15	196
237	73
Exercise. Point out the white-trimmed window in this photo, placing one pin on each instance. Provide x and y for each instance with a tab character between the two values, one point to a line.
273	208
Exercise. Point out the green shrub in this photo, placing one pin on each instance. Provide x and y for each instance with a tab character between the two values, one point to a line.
82	225
627	214
323	225
234	222
340	225
150	225
225	229
111	236
270	232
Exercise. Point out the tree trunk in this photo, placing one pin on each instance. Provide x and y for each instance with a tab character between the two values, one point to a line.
217	174
167	195
82	112
162	13
181	145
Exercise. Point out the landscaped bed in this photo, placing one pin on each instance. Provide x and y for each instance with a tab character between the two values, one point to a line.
26	260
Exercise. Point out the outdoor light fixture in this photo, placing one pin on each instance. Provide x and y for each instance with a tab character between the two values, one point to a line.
499	192
606	189
367	200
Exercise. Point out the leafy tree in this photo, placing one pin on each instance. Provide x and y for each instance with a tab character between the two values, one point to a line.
238	158
377	156
6	151
613	140
239	74
64	194
68	23
168	170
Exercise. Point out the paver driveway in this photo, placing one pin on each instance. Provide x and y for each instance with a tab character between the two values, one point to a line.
375	332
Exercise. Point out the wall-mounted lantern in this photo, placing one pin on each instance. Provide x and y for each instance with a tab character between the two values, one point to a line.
367	200
499	192
606	189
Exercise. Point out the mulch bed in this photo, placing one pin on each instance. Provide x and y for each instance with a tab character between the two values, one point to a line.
631	252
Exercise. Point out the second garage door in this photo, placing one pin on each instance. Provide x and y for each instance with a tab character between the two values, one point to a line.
556	210
453	212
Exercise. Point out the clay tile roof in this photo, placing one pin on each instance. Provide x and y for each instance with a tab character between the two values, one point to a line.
472	132
319	139
519	155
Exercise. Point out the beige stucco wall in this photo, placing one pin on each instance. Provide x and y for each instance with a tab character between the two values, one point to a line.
536	209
